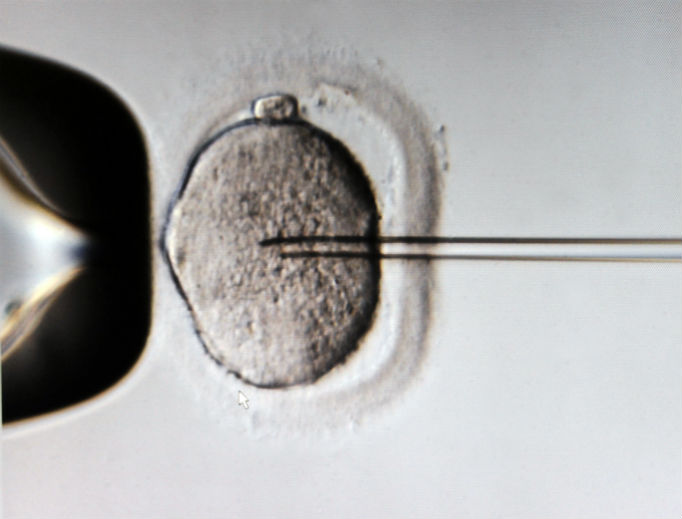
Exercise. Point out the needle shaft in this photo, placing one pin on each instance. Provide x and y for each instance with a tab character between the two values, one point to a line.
458	248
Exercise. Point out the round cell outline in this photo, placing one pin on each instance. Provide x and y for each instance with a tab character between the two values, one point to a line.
261	117
404	155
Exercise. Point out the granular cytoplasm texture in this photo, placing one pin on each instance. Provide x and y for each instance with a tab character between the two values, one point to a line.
274	321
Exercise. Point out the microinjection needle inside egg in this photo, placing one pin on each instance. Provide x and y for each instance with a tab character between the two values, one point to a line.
473	248
274	243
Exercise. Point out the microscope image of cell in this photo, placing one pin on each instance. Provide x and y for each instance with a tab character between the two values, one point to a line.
272	320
